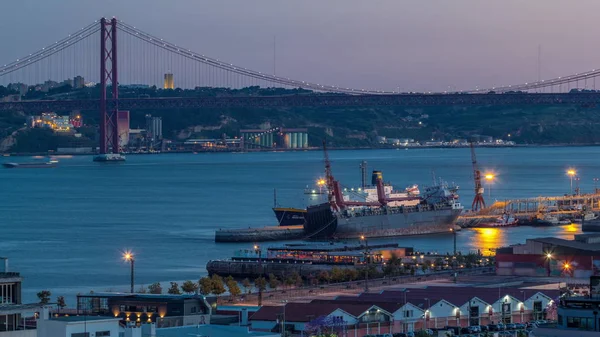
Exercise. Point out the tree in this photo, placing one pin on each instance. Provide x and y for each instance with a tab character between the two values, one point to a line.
142	290
44	296
205	285
155	288
273	281
350	274
60	302
337	275
298	282
189	287
234	288
174	289
217	285
260	284
324	276
247	285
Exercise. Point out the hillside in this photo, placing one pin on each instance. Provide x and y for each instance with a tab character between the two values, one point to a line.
350	126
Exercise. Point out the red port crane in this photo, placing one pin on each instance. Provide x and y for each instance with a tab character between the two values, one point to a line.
478	202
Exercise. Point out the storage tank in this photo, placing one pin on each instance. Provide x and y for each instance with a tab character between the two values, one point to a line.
287	141
294	140
304	140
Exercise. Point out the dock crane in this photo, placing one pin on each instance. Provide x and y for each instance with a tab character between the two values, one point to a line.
478	202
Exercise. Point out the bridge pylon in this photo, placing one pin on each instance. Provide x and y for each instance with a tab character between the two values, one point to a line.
109	136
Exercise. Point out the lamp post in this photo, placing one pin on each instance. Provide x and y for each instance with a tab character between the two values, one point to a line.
258	251
128	256
571	173
454	234
548	258
366	253
321	183
427	312
596	185
489	178
523	306
283	319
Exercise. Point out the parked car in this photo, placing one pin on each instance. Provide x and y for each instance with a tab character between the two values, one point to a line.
501	327
511	326
520	326
474	329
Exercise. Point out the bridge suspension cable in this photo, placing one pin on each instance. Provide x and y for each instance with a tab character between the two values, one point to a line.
50	50
187	53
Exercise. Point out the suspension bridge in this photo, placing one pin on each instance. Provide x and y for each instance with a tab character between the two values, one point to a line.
113	57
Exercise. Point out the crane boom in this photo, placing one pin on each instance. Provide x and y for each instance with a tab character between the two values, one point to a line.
478	202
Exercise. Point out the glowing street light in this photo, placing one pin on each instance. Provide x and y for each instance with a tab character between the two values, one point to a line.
548	258
366	254
128	256
571	173
321	183
489	178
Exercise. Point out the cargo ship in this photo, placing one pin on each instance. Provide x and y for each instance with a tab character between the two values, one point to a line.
391	214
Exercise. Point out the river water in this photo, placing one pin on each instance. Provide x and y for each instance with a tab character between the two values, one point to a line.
65	228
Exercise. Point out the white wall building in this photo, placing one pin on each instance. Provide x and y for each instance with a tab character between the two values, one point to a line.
78	326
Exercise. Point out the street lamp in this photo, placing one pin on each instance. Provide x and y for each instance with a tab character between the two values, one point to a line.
283	319
128	256
427	312
453	231
567	268
596	185
548	258
366	254
258	251
571	173
489	178
321	183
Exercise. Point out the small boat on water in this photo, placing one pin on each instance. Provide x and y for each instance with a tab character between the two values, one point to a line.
49	164
502	221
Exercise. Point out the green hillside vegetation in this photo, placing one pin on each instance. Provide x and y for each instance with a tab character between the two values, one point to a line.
348	126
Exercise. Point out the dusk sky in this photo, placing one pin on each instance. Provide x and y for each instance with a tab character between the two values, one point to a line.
414	45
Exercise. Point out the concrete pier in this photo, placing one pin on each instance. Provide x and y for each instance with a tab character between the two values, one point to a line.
274	233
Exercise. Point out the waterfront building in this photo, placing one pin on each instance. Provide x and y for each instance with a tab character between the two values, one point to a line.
581	311
123	128
169	82
578	258
75	119
16	319
412	309
164	310
153	128
78	82
275	137
78	326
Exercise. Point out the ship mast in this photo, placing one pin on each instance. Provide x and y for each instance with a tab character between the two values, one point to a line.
478	202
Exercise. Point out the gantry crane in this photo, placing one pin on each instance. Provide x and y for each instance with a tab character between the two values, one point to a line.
478	202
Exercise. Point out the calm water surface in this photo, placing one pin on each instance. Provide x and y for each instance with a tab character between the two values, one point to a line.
64	229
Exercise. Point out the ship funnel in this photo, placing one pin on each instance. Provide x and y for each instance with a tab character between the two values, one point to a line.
375	176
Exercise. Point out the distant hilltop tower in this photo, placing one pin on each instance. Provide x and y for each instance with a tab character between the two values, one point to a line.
169	83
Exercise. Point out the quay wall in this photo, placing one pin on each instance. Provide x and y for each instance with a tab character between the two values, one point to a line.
260	234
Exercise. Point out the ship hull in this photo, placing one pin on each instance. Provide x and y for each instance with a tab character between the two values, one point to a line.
289	216
381	225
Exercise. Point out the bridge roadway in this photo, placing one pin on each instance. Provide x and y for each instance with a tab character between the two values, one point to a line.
316	100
